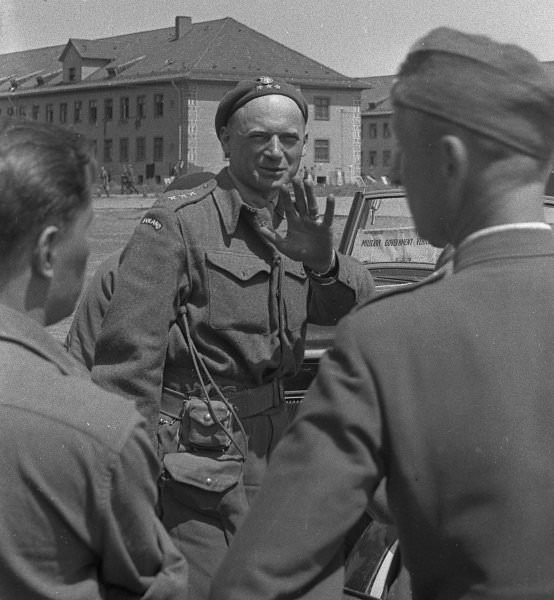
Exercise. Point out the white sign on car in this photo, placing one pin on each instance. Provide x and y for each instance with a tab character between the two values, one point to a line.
398	244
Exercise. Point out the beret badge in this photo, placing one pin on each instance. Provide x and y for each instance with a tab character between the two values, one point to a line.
266	82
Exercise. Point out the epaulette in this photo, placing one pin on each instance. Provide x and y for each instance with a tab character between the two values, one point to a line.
186	189
404	289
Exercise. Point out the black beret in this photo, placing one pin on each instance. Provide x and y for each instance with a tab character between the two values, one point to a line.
247	90
497	90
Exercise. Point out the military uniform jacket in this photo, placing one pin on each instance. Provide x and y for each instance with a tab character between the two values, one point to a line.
247	304
447	391
78	482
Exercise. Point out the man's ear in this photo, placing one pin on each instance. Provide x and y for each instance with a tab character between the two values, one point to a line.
305	145
454	160
44	255
224	136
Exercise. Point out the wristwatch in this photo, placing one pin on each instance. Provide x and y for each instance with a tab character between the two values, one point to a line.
330	276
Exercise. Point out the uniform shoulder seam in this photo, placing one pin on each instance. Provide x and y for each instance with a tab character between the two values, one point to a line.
397	291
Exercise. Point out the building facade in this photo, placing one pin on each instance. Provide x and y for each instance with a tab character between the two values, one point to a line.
149	99
378	141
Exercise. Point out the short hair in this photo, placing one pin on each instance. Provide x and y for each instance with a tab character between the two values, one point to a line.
45	177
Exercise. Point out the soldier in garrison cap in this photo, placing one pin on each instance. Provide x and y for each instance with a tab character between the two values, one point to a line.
218	283
443	390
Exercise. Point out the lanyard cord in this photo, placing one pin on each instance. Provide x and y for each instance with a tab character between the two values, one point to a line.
199	366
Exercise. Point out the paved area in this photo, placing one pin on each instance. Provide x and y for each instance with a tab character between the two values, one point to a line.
117	201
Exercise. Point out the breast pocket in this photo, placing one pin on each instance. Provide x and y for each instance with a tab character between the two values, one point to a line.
238	287
296	294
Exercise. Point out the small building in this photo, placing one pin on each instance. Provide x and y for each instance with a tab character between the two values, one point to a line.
148	99
378	139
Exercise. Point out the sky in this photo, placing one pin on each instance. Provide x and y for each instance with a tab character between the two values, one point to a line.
358	38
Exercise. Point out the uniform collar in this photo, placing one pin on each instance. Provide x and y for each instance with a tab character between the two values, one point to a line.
22	330
512	241
505	227
230	204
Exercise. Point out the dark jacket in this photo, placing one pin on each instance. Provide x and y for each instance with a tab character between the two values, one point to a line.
78	482
447	391
247	305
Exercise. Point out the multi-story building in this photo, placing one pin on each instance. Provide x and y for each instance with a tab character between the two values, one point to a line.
149	98
377	134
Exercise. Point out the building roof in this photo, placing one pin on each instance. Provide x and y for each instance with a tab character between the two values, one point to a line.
219	50
376	98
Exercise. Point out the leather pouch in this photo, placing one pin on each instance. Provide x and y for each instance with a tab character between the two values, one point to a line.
205	425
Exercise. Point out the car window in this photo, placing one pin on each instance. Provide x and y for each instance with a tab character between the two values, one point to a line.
388	234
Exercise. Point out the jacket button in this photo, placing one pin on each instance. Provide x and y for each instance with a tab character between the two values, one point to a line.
207	419
209	481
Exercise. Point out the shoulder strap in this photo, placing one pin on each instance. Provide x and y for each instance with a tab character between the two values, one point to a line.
187	189
403	289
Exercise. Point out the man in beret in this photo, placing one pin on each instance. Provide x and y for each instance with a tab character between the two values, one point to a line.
443	390
207	314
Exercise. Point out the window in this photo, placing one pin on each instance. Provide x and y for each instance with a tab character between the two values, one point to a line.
108	150
321	150
158	105
372	158
321	108
94	146
92	111
386	130
72	73
140	155
141	107
77	108
35	112
158	149
108	109
372	130
49	113
22	111
386	158
124	150
124	108
63	112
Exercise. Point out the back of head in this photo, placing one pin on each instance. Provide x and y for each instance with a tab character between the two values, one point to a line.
499	91
45	174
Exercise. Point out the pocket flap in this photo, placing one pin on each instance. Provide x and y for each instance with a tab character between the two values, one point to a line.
241	266
203	472
294	268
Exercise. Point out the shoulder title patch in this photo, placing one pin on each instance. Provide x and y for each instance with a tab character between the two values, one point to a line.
152	222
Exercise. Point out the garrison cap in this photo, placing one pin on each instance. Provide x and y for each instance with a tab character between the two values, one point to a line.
497	90
247	90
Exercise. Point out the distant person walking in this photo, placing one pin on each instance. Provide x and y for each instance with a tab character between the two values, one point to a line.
128	180
105	181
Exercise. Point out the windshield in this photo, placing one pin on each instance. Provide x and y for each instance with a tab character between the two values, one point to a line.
385	231
387	234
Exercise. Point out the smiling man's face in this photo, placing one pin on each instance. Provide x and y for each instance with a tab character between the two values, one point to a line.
265	141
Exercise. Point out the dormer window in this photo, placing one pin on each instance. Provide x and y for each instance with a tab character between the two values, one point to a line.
72	73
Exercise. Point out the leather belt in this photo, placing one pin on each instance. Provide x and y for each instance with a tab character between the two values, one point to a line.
248	402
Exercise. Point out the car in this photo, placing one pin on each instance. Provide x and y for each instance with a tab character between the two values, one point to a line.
379	231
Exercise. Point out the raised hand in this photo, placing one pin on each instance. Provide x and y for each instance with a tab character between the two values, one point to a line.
309	236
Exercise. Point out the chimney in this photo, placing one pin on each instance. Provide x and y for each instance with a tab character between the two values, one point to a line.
182	26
